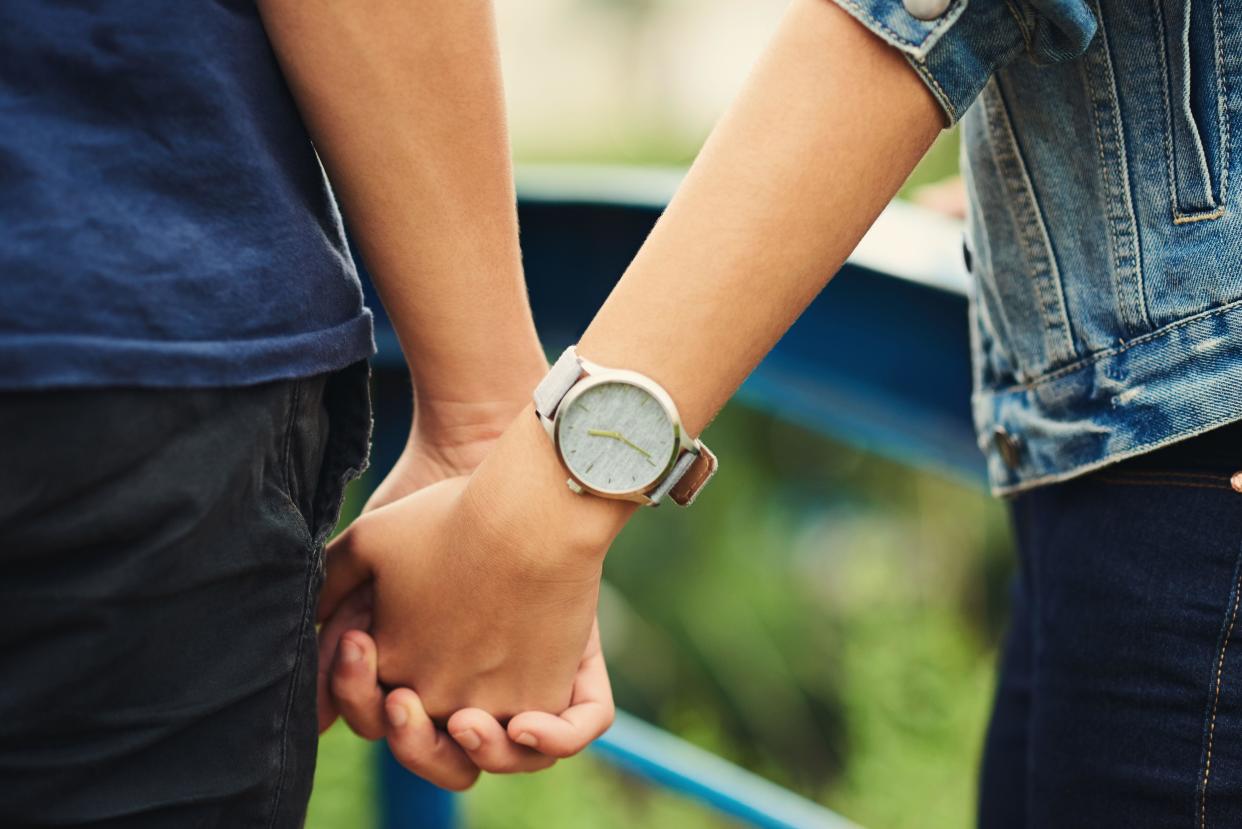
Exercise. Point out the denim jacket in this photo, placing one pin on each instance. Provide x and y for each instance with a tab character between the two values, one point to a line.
1103	235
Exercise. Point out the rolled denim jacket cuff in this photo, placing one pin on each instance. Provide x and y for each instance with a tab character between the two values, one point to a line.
956	53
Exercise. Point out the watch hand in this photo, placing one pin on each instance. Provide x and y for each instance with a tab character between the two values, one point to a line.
638	449
604	433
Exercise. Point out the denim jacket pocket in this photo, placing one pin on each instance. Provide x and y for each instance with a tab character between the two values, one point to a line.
1197	130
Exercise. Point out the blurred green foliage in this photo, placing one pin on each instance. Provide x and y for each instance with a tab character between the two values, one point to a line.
821	616
940	162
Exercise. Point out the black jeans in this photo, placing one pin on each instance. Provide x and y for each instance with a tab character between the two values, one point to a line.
1120	697
160	559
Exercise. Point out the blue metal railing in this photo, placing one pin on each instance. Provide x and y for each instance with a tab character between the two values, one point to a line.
880	360
664	760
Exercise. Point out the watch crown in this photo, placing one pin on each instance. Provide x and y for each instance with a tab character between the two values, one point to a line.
574	486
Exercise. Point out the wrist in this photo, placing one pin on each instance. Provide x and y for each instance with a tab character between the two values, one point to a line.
457	424
520	490
460	410
486	363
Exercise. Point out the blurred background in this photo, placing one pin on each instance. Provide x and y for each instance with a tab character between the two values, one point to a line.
823	617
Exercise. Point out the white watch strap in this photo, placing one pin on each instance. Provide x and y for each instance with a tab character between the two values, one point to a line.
675	474
553	388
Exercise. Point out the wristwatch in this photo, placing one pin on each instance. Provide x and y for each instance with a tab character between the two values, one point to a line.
618	434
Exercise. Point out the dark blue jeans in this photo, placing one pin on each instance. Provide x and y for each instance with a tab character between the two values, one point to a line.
1120	695
159	567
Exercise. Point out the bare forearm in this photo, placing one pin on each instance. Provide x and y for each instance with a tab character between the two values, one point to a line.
829	125
404	102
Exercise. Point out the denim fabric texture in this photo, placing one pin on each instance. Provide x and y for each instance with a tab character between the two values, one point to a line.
161	562
1120	695
1107	259
956	51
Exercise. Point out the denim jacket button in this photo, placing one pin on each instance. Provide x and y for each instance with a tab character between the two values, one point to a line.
1007	446
925	9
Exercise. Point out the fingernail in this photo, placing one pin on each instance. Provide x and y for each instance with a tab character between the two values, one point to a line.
350	652
468	739
397	715
527	739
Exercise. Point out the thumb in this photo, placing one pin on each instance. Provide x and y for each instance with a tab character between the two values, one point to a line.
345	568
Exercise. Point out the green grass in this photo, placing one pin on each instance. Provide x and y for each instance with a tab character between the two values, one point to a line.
583	793
345	794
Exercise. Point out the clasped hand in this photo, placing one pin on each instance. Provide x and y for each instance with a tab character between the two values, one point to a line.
476	602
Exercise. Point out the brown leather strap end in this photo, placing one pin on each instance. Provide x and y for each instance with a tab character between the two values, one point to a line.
700	472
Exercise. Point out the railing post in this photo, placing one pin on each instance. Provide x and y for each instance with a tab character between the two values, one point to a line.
409	802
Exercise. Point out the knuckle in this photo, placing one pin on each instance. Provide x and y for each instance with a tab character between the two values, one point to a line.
439	712
460	781
360	722
564	752
366	730
412	756
542	763
497	765
348	692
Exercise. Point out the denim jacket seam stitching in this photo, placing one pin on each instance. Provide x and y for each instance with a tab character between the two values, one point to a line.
1161	38
1113	352
1022	27
1180	218
1050	285
1056	320
1024	484
1222	121
1222	99
1210	725
991	311
1217	210
920	47
920	66
1131	297
1205	168
881	25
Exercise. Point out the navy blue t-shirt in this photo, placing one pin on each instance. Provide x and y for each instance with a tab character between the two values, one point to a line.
164	220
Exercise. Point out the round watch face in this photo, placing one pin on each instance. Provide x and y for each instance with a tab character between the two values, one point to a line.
616	437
